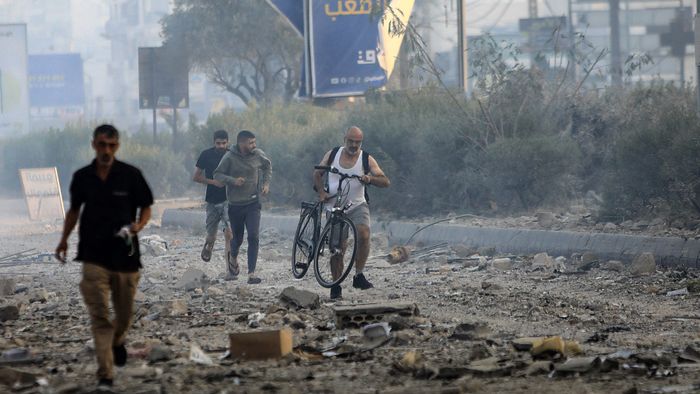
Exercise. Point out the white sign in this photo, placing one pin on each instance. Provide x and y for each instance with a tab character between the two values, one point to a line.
14	87
42	191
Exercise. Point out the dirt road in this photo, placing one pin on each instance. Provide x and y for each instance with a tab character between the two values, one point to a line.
472	307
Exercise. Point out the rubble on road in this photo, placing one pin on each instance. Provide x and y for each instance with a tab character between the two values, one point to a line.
488	322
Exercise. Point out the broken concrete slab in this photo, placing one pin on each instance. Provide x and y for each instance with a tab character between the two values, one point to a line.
356	316
300	299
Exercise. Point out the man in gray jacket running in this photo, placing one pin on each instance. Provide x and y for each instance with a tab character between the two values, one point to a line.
246	172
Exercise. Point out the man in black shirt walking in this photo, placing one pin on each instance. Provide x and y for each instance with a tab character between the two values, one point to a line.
215	195
116	204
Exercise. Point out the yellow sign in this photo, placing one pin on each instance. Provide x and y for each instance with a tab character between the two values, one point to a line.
42	192
349	7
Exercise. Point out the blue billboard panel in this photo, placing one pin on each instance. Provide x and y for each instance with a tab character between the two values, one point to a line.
293	10
56	80
343	46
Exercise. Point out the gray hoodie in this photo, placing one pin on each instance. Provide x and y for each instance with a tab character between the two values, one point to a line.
234	165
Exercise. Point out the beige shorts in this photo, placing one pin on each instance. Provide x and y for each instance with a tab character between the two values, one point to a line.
360	215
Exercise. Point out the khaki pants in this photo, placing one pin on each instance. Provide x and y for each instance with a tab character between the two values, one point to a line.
96	286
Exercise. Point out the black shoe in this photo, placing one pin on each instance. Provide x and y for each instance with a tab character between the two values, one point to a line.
360	282
336	292
105	382
119	353
254	280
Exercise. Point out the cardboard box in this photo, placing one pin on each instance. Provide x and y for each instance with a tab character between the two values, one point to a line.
260	345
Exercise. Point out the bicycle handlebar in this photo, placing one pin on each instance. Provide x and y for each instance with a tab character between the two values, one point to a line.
336	171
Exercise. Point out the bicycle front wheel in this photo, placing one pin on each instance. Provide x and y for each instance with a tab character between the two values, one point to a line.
302	250
335	252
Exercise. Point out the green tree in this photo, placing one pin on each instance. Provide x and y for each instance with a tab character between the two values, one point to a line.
244	46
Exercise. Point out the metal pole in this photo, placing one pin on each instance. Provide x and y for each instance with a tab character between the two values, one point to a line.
697	57
572	43
175	127
615	57
154	100
463	58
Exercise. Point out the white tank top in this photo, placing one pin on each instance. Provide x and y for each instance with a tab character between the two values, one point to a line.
356	193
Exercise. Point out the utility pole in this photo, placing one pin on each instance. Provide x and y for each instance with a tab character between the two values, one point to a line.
572	42
697	56
615	57
532	8
532	14
462	47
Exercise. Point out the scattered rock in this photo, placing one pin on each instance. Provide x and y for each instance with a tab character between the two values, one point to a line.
160	353
502	264
545	219
16	379
178	308
613	265
643	264
301	299
471	331
9	312
577	365
7	286
192	279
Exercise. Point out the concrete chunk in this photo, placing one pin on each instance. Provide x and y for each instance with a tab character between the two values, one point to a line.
300	299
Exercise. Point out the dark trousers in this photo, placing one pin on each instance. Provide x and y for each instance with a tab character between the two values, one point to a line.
248	217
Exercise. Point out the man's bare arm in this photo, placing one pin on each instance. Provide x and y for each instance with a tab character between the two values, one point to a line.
200	178
318	176
68	225
144	217
377	177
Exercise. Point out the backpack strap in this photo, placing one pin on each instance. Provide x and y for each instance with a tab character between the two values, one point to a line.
334	152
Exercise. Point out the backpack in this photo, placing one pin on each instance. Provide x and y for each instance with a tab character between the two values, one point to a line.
365	167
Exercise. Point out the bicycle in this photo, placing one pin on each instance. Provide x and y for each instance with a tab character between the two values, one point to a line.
328	247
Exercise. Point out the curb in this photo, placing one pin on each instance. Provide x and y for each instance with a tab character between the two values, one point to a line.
669	251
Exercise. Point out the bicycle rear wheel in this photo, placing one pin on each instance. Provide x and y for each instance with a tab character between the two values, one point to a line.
335	252
302	249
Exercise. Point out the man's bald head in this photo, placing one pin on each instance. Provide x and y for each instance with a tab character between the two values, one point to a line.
353	140
354	132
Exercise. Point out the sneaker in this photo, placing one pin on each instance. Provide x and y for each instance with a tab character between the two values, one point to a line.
360	282
336	292
206	251
254	280
119	353
104	382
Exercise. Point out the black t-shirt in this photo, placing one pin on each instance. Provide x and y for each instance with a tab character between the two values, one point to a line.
208	161
107	207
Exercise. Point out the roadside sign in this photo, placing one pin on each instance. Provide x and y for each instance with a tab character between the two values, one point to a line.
42	192
163	78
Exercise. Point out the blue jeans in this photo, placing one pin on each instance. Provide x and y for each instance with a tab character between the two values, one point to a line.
245	217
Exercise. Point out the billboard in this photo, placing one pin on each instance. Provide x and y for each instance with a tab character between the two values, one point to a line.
56	80
14	95
350	45
163	78
343	46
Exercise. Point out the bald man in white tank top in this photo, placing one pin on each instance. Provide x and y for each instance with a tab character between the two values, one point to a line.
349	159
